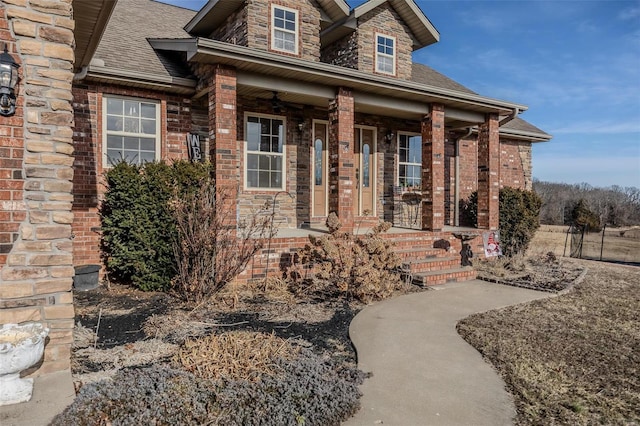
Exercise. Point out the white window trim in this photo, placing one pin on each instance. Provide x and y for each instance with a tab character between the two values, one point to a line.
273	29
105	160
409	135
246	153
393	57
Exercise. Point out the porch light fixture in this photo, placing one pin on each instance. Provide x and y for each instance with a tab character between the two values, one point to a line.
301	126
8	80
389	136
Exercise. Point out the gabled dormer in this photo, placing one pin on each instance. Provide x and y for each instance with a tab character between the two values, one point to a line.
287	27
379	37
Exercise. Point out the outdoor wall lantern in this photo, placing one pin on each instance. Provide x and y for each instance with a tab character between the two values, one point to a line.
8	80
389	136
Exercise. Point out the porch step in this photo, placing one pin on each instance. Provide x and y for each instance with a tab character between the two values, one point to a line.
464	273
431	264
413	253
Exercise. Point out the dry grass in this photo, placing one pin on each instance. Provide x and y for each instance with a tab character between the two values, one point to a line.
235	355
620	244
572	359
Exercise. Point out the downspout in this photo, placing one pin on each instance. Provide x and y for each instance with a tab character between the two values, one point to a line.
510	117
456	207
80	75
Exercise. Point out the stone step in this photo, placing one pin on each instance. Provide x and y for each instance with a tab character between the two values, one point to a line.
431	278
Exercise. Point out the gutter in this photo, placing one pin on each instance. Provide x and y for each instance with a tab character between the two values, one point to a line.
210	51
141	79
510	117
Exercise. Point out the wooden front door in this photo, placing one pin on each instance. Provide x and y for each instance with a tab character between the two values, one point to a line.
319	160
365	146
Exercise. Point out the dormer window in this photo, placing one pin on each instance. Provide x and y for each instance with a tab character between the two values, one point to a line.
385	54
284	29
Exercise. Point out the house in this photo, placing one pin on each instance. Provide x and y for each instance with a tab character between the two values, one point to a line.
309	98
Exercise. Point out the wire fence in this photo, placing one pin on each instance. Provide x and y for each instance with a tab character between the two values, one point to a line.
610	244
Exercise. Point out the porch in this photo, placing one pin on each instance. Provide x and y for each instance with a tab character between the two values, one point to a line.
428	257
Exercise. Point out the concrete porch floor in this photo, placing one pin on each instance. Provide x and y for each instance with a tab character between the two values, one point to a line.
52	393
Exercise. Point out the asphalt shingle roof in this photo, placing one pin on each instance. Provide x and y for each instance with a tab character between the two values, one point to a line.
426	75
518	124
124	44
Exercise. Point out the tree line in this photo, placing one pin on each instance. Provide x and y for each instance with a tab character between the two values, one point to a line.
562	203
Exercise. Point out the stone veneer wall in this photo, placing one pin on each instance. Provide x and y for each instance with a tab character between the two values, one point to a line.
384	20
234	29
36	173
259	26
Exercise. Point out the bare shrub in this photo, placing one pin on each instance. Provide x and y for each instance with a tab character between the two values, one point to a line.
345	265
236	355
210	250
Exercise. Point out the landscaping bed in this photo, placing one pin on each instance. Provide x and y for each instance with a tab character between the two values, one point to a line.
571	359
210	357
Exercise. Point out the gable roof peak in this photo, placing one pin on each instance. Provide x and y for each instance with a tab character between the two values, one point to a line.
424	32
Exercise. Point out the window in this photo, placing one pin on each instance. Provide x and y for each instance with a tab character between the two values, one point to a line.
265	152
410	161
131	129
284	34
385	54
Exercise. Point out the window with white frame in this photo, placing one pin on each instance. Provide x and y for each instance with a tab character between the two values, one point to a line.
131	130
410	161
264	161
284	29
385	54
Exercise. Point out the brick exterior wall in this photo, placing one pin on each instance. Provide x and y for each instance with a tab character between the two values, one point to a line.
258	16
515	164
35	176
179	116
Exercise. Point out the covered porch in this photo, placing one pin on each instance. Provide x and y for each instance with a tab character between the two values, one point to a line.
340	142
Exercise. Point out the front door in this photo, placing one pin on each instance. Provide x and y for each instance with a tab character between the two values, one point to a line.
319	168
365	170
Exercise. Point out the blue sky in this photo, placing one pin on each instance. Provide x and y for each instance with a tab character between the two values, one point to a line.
576	64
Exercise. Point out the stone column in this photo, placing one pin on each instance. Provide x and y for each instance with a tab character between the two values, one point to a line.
489	174
433	169
36	147
341	158
223	129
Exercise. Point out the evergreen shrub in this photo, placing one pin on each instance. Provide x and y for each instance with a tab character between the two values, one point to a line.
137	226
519	218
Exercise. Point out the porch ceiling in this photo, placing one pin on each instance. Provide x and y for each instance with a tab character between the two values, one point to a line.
91	19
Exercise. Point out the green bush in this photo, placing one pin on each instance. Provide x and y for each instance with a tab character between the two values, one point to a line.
137	225
519	217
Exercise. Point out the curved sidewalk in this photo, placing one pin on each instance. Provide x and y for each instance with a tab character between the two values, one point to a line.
423	372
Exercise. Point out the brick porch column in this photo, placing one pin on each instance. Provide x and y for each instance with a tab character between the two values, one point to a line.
489	173
433	169
223	135
341	158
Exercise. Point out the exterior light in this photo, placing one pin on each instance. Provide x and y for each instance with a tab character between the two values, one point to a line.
8	80
389	136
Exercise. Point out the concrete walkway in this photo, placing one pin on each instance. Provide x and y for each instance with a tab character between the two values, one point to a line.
423	372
